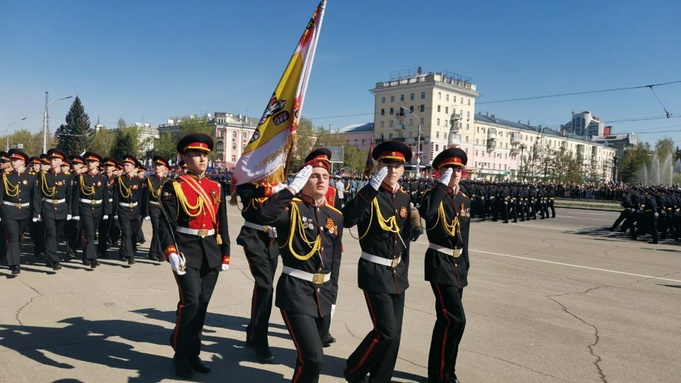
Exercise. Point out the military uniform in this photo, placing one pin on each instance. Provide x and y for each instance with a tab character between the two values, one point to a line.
447	215
55	206
127	208
19	198
104	229
310	242
153	207
193	224
90	205
383	223
74	228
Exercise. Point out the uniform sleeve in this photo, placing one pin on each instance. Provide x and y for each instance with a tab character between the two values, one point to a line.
38	186
358	207
223	222
431	203
274	211
115	195
75	194
168	224
337	257
35	196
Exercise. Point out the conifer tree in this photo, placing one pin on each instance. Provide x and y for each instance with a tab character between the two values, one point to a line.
74	136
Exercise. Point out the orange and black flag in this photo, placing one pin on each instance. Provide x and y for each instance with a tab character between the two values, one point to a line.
369	167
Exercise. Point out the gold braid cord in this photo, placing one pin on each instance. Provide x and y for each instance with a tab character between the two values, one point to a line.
389	225
10	190
47	191
297	225
125	191
186	206
450	229
155	193
86	190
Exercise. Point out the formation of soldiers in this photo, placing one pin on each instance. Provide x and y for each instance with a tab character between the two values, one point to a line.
654	211
86	202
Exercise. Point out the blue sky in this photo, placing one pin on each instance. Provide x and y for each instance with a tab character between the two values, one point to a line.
146	61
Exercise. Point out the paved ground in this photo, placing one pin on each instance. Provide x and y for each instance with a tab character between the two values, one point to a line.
554	300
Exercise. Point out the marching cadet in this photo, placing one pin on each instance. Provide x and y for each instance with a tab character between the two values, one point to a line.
108	166
37	228
382	214
195	237
153	204
142	175
74	229
4	165
262	255
34	164
446	211
19	199
55	209
90	205
310	241
127	197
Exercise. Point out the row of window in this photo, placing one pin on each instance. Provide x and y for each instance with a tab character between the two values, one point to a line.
423	97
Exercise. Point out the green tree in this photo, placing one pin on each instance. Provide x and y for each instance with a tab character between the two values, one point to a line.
75	135
122	145
307	136
632	161
31	143
193	124
165	146
102	142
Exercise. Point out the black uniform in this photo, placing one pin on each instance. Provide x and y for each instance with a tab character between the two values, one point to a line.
55	207
90	203
127	205
446	268
152	202
383	223
308	285
19	197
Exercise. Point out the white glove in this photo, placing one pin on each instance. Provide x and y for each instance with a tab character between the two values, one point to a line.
176	263
75	218
147	218
278	187
333	310
105	217
224	267
116	217
68	217
446	176
301	179
36	219
378	178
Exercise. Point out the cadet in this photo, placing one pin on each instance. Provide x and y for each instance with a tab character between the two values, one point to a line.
104	229
90	204
195	237
55	209
19	199
310	240
74	229
446	211
127	196
152	201
382	214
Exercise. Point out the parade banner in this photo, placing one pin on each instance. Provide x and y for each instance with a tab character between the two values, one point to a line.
266	156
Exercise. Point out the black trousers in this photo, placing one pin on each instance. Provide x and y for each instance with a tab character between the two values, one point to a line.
307	333
128	236
14	229
74	237
155	250
103	236
195	288
262	268
90	225
377	354
53	229
447	333
37	230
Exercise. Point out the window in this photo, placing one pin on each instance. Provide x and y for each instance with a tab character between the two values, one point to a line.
383	100
454	99
469	102
234	134
233	158
411	122
382	111
401	97
438	122
461	100
439	95
437	147
245	135
382	124
390	136
233	146
392	98
423	95
447	97
391	123
220	146
439	109
445	135
392	111
437	134
411	97
446	110
422	108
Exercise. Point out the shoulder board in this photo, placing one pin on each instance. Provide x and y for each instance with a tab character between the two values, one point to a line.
31	173
333	208
67	173
464	194
403	191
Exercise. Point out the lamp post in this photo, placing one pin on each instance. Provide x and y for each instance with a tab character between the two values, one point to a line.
614	168
46	115
418	141
7	132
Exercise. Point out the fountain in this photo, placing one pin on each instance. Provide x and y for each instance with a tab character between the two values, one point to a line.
660	171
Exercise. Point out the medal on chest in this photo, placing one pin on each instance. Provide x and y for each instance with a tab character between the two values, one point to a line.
331	226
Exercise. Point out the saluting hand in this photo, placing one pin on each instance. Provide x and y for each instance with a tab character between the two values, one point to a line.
301	179
378	178
446	176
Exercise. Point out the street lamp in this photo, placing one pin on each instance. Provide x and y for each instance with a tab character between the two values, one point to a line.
46	123
7	132
418	141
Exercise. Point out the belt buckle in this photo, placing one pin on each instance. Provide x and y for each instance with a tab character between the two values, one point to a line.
54	202
318	278
17	205
266	229
92	202
456	253
394	262
203	233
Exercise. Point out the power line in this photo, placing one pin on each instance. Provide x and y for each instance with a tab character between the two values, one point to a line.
578	93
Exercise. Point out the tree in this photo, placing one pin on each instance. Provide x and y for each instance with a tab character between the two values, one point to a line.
102	142
306	140
632	162
122	145
75	135
165	146
193	124
32	143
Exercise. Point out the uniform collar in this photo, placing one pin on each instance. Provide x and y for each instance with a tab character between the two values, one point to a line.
386	187
309	200
197	176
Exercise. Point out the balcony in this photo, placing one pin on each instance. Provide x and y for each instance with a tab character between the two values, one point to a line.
516	138
491	144
491	134
515	151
